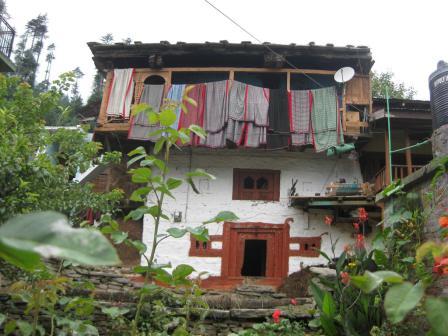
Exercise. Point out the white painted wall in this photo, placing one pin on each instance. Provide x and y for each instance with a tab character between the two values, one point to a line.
312	170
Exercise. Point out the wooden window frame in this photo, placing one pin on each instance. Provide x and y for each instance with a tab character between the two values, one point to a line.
273	177
197	248
309	246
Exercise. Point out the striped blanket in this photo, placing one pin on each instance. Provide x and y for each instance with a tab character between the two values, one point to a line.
300	103
121	91
175	94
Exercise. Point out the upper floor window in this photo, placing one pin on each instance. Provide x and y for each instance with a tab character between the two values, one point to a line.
256	184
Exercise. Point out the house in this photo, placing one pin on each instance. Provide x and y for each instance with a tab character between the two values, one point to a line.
279	179
7	35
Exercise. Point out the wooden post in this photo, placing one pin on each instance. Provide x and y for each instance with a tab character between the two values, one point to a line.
102	117
231	75
288	81
407	143
386	151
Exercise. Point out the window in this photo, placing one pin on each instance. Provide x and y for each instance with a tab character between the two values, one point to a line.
256	184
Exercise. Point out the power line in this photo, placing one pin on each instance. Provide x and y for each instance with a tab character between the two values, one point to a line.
267	47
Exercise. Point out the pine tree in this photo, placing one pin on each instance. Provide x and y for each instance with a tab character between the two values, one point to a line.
30	47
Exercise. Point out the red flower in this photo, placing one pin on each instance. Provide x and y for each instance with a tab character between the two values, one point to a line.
276	316
440	265
345	278
443	222
360	242
363	215
328	220
294	302
356	226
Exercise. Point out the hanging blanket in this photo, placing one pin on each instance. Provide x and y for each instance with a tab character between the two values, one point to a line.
279	129
326	123
194	114
175	94
121	91
248	114
216	113
300	103
140	127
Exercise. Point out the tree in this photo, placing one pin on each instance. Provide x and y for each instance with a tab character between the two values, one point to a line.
383	80
107	39
37	166
30	47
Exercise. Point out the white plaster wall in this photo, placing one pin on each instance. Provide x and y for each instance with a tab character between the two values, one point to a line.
313	172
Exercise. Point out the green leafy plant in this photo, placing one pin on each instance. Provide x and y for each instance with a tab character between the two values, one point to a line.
284	328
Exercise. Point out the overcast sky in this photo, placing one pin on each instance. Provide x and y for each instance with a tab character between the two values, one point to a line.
406	37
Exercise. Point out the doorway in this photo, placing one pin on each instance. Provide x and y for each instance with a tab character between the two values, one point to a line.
255	250
254	260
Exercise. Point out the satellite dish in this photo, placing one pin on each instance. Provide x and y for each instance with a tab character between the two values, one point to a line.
344	74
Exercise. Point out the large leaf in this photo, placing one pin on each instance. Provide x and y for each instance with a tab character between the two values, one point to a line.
370	281
50	235
182	271
141	175
328	305
173	183
317	293
436	312
167	117
401	299
200	173
176	232
223	216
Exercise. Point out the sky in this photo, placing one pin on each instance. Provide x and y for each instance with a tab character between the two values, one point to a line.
405	37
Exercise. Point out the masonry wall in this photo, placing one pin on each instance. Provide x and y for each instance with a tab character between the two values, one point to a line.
313	171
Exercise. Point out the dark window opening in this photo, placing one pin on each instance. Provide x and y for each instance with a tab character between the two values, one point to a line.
155	80
306	247
262	183
198	77
254	263
204	245
248	183
197	245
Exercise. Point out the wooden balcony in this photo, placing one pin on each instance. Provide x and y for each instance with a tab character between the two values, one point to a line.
398	172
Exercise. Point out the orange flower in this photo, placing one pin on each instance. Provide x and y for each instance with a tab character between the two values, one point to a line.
443	222
363	215
347	248
440	265
360	242
276	316
356	226
345	278
294	302
328	220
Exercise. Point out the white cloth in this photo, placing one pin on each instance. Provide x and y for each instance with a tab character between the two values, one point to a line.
121	91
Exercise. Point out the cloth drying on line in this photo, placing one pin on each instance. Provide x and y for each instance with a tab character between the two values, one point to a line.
279	129
175	94
300	104
121	91
325	119
140	128
194	114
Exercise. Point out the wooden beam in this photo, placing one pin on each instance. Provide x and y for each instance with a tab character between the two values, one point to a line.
102	117
387	157
407	143
227	69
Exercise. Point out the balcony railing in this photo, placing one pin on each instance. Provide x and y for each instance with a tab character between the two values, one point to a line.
7	35
398	172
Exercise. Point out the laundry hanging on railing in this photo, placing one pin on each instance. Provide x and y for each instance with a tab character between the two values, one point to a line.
174	95
300	105
121	91
216	114
279	129
326	122
248	114
140	128
194	114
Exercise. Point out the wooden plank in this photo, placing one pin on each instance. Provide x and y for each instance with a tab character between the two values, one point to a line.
231	75
408	154
227	69
113	127
358	90
288	81
102	117
387	158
